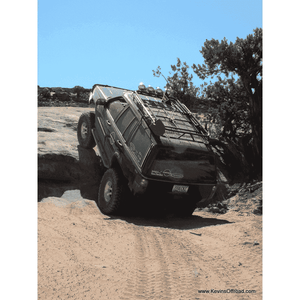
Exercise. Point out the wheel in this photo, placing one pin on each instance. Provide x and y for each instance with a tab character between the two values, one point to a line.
84	130
111	192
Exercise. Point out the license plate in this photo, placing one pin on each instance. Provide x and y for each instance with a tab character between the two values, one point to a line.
180	188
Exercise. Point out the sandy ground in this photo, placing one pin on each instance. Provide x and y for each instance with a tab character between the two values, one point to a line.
83	254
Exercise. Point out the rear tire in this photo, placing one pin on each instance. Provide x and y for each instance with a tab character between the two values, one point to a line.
84	130
111	192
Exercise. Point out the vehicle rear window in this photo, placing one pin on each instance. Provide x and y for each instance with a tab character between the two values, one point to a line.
188	155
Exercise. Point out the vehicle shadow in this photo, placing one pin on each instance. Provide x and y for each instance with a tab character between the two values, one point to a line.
172	222
90	164
161	211
141	217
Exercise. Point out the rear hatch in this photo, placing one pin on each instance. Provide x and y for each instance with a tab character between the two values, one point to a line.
183	154
181	164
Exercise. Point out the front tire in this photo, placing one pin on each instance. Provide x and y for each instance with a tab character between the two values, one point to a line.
84	130
111	192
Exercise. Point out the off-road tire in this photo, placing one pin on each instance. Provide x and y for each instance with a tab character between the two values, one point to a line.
86	123
111	192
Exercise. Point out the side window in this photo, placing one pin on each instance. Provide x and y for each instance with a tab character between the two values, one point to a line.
126	122
115	108
140	144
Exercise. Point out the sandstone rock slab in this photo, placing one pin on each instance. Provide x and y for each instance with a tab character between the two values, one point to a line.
59	155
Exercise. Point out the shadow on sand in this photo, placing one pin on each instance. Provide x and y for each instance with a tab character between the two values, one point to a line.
170	221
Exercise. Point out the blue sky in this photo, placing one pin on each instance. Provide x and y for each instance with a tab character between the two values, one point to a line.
119	42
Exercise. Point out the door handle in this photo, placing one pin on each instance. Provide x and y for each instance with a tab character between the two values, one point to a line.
119	143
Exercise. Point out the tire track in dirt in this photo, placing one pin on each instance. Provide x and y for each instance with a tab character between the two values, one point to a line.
162	268
206	264
151	257
85	254
171	264
143	283
217	266
236	261
79	253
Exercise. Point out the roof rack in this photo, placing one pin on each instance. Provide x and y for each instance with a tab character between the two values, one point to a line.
152	113
158	110
154	123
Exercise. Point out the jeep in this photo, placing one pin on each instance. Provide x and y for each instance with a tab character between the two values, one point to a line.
150	144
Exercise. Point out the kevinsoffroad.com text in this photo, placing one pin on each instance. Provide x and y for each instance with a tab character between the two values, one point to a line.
227	291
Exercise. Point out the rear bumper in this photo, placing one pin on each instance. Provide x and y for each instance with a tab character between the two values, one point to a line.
201	192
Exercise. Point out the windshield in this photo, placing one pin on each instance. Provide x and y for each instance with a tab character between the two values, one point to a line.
108	92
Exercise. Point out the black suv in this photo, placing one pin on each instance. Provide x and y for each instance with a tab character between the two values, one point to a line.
151	144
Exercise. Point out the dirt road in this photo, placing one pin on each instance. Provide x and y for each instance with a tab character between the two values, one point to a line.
83	254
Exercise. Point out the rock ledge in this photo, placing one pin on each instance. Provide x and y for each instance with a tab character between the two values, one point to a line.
59	155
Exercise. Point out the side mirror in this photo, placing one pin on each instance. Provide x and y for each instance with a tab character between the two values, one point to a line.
100	101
